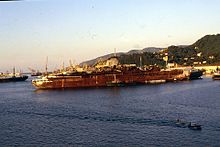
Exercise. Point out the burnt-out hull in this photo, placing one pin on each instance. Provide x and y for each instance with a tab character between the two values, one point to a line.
103	79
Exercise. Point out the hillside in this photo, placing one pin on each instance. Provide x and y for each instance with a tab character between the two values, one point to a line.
94	61
129	53
209	44
205	51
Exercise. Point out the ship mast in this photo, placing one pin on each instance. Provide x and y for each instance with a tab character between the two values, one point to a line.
140	61
71	64
46	66
13	72
63	66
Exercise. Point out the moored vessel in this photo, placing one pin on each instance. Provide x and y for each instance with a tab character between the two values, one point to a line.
109	74
216	75
195	74
35	72
12	77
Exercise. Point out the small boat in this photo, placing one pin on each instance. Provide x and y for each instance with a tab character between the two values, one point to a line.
184	124
181	123
216	75
194	126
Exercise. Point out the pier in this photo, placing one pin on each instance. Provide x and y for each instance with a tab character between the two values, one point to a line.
209	69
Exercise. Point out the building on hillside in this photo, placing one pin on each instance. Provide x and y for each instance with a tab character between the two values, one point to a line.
110	62
199	54
171	65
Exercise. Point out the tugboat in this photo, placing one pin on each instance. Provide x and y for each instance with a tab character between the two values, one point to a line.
12	78
195	74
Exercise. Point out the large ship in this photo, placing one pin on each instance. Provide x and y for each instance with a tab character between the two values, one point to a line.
13	77
108	73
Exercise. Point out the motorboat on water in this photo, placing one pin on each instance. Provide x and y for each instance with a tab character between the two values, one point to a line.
194	126
181	123
190	125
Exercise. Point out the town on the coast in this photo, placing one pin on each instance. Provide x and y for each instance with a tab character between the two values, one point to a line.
147	66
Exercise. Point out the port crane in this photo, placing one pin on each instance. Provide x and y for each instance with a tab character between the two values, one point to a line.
34	72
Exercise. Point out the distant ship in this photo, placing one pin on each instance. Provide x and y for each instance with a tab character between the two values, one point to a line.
35	72
12	77
108	73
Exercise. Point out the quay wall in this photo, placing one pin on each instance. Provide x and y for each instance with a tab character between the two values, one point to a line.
208	69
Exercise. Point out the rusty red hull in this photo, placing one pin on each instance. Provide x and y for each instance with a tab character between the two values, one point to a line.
102	79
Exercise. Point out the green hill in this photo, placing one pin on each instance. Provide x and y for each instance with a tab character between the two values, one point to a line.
141	59
205	51
209	44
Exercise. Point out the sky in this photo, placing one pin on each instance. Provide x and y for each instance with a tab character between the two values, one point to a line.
79	30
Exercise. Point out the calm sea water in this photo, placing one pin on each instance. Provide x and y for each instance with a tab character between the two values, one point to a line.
118	116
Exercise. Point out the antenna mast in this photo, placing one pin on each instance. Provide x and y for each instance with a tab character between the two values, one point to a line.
140	61
46	65
13	72
63	66
115	52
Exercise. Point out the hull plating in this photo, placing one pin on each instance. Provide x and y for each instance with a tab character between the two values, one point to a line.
105	79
